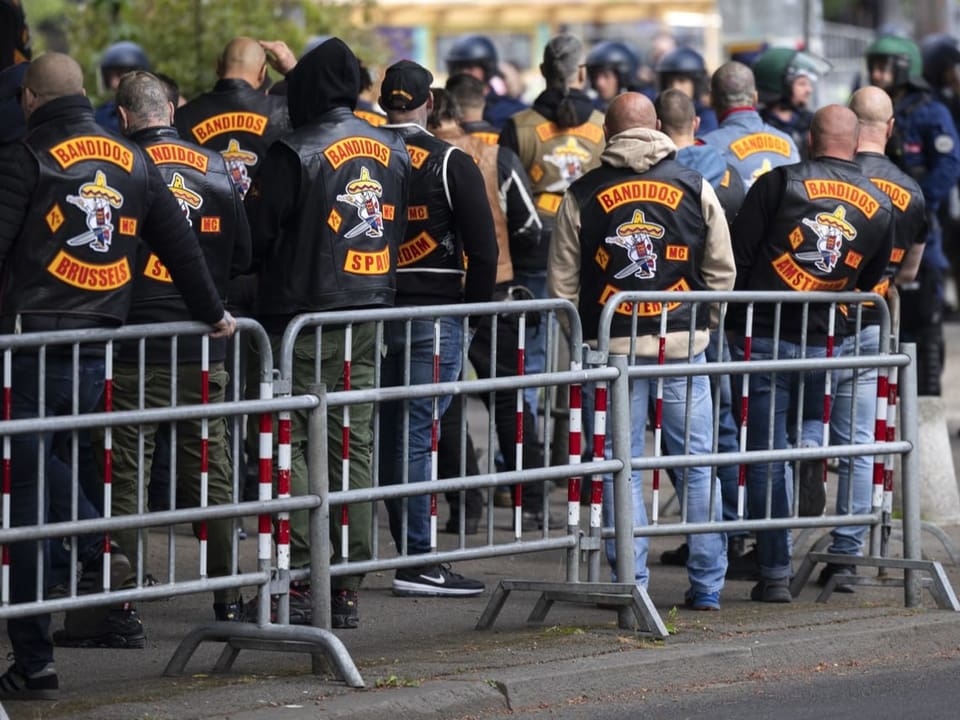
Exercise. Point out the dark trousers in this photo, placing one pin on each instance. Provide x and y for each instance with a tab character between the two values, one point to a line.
458	458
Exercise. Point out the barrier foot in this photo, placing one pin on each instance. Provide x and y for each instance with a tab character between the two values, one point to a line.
608	596
937	583
318	642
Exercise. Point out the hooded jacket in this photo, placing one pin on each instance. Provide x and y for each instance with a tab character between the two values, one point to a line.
696	223
329	207
724	178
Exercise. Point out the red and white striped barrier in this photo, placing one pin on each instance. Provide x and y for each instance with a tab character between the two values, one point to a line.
518	446
576	450
744	410
435	435
204	447
658	417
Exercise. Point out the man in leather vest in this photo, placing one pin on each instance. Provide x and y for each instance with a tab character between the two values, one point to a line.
235	118
76	202
819	225
448	256
327	215
858	388
557	140
615	233
752	146
518	225
199	180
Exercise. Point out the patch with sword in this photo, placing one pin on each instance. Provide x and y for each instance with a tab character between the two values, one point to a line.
636	237
97	200
364	194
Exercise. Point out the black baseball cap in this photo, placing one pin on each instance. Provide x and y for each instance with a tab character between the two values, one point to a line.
405	86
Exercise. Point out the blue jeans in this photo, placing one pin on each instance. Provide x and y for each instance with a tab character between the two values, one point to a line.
30	637
845	428
707	564
535	355
727	434
420	349
773	546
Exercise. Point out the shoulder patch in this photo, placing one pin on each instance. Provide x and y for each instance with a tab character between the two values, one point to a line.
943	144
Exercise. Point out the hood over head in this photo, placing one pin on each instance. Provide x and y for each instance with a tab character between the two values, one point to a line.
325	78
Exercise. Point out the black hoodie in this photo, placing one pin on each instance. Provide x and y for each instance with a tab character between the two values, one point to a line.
326	77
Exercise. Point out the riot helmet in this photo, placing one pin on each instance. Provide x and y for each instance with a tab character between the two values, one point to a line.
899	55
776	69
939	53
120	58
472	51
614	56
682	63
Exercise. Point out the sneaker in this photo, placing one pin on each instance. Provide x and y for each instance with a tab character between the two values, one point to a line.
812	497
301	606
229	612
678	556
697	600
40	685
744	566
772	591
343	609
91	576
434	581
116	627
830	570
502	497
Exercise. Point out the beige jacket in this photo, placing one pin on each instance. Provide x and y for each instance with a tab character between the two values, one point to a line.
640	149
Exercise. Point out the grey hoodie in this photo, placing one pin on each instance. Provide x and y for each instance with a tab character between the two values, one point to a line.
640	149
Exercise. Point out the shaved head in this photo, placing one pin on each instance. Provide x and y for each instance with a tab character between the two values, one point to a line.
732	85
627	111
872	105
874	109
54	75
243	58
834	132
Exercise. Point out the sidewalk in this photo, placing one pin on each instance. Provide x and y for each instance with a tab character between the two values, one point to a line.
423	657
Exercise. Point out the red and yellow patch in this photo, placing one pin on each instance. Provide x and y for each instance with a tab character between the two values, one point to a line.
760	142
171	154
643	309
367	263
354	147
415	249
799	279
88	276
92	147
640	191
844	192
156	270
245	122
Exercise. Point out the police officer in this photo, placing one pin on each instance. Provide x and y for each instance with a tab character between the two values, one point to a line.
306	263
600	248
235	118
557	140
858	388
924	145
612	69
449	255
476	55
785	82
752	146
117	60
684	68
818	225
108	194
200	183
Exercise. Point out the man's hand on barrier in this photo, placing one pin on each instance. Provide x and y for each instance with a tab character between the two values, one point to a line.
279	55
225	326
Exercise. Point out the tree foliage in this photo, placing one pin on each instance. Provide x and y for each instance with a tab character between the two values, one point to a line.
183	38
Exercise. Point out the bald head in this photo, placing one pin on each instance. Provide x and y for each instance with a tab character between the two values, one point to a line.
627	111
874	110
732	86
54	75
243	59
834	132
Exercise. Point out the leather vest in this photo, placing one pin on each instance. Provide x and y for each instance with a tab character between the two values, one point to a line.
237	121
339	250
640	232
77	250
830	222
485	156
554	157
908	210
199	180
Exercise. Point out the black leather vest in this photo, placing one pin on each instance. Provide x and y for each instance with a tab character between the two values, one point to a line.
908	211
430	248
640	232
831	220
339	250
76	253
237	121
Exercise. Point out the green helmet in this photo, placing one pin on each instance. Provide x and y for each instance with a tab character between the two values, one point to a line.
907	62
776	69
